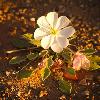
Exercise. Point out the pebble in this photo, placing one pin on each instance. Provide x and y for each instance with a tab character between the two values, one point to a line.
98	78
7	73
83	82
86	93
32	19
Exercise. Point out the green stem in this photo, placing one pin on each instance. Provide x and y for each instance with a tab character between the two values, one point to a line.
24	67
71	50
14	51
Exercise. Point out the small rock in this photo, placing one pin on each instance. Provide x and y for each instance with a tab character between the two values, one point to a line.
86	92
7	73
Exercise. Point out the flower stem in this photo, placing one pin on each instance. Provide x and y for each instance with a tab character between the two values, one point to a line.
14	51
23	67
71	50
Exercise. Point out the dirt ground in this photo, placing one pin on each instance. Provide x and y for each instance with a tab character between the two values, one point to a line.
15	20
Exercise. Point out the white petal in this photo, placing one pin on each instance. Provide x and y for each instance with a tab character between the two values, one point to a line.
62	22
62	42
67	32
42	22
55	47
40	32
46	41
52	18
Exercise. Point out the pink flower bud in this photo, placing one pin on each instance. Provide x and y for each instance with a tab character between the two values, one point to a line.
80	61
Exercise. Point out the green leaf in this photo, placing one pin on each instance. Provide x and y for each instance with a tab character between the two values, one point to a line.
71	70
32	56
31	39
24	74
17	60
95	59
45	73
94	66
43	53
65	86
19	43
66	55
49	61
35	42
89	51
28	36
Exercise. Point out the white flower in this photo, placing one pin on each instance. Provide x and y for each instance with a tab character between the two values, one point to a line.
53	31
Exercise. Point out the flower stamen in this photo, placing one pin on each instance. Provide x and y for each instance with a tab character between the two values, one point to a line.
53	31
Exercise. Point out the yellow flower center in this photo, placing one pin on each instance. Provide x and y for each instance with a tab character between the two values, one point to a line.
53	31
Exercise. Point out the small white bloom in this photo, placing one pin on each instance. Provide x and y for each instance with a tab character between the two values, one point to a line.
53	31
